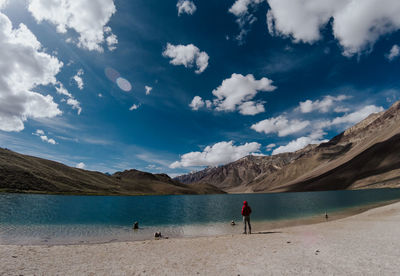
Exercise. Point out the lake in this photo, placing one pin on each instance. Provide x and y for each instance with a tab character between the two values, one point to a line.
58	219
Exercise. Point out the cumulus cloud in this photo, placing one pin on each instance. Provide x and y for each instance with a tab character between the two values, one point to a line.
322	106
134	107
185	6
280	125
111	39
394	52
196	103
80	165
78	79
318	126
187	55
218	154
299	143
356	116
357	24
23	67
40	133
148	89
237	92
86	17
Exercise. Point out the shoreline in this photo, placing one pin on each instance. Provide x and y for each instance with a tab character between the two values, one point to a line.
168	231
366	243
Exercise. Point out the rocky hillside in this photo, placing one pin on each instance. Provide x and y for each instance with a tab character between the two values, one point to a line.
366	155
23	173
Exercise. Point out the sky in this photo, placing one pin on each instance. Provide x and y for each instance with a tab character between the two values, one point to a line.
176	86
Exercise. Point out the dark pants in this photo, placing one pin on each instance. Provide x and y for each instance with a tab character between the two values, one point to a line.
246	219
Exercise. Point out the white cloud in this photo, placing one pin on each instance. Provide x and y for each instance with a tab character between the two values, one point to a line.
39	132
43	137
356	116
111	39
357	24
236	93
78	79
341	109
197	103
100	95
251	108
280	125
218	154
394	52
241	7
299	143
3	3
62	90
243	17
322	106
75	104
187	55
134	107
148	89
271	146
80	165
24	66
185	6
87	17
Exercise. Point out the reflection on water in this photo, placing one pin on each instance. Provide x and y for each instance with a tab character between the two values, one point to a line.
32	219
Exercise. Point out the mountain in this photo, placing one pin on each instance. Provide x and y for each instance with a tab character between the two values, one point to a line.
367	155
23	173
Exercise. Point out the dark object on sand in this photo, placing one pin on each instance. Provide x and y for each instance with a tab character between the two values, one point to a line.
136	225
326	215
233	223
157	235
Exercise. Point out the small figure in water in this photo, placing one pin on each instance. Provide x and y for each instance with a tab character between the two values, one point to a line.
233	223
136	225
246	211
326	215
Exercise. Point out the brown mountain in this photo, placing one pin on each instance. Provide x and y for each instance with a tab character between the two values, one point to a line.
366	155
23	173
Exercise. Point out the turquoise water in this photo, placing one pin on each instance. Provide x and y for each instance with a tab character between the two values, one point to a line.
28	218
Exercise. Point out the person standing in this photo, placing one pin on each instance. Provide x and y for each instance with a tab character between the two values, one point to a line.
246	211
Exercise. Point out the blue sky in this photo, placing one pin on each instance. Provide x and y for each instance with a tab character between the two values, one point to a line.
227	78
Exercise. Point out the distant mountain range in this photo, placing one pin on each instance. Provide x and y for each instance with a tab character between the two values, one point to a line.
22	173
366	155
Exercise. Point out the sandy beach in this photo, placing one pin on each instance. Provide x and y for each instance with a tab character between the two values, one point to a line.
363	244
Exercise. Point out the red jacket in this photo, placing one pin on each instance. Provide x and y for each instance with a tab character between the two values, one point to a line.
246	210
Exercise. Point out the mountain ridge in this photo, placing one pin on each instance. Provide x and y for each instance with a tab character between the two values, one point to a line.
315	162
21	173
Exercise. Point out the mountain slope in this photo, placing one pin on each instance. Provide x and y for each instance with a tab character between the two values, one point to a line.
23	173
357	158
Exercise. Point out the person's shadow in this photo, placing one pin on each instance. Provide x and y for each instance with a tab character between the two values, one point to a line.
270	232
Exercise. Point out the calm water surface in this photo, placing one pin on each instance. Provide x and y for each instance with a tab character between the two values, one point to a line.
36	219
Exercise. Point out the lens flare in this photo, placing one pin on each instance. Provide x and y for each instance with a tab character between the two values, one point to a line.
111	74
114	76
124	84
